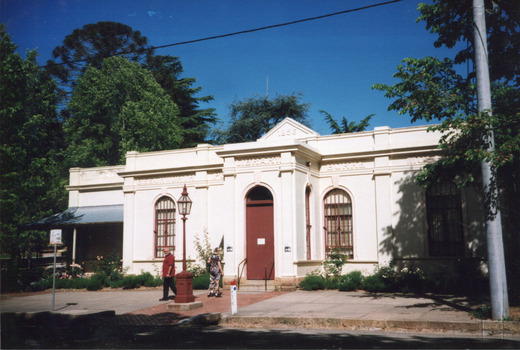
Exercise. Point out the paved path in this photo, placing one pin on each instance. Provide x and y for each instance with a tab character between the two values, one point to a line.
303	309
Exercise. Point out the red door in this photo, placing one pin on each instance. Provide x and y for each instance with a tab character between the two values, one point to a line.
260	237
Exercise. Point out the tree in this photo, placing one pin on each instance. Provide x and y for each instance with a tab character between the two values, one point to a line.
431	89
452	22
31	165
90	45
346	127
253	117
194	121
116	109
93	43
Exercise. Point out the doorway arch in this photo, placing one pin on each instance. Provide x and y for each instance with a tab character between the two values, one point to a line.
259	234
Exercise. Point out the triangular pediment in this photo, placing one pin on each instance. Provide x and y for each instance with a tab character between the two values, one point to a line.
288	129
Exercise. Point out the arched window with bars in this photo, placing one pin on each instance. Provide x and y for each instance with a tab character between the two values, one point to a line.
337	209
164	225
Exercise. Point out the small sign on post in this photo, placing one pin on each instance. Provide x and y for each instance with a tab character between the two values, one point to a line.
55	237
54	240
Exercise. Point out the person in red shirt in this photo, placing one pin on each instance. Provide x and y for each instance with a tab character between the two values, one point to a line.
168	271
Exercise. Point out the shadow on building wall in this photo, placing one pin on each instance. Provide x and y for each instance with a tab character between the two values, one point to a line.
406	242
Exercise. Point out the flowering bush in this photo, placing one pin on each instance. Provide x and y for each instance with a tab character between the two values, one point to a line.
111	265
75	270
335	261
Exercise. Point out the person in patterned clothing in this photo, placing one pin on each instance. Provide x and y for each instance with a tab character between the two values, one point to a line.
215	273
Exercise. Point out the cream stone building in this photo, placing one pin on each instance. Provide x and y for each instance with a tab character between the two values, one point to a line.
277	206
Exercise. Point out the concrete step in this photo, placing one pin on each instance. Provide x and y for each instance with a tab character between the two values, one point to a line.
256	286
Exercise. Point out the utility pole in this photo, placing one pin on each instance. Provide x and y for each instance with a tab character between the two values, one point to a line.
495	244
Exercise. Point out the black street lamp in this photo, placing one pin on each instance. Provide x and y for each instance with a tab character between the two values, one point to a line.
184	278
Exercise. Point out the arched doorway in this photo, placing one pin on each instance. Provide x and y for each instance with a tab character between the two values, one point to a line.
259	234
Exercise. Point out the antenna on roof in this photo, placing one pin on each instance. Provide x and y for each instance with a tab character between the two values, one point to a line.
267	92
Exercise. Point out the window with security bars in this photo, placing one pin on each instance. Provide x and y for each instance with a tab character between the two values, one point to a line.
337	209
164	225
444	215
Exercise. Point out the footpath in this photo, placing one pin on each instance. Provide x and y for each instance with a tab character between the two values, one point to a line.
383	312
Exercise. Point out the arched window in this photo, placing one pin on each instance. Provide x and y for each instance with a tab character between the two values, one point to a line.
164	225
444	215
337	209
308	225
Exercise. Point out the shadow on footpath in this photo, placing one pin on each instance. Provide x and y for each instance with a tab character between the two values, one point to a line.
150	332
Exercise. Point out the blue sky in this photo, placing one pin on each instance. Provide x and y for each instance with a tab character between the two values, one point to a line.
333	61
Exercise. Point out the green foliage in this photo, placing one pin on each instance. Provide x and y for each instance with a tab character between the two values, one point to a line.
110	265
31	166
312	282
79	283
452	22
204	251
92	44
374	284
130	282
97	281
351	281
42	284
431	89
253	117
195	122
151	281
332	282
346	127
116	109
335	261
202	281
482	312
95	42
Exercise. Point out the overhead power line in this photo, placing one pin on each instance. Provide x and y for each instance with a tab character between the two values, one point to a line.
276	25
245	31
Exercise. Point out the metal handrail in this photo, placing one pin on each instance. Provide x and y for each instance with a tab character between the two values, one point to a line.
239	275
270	272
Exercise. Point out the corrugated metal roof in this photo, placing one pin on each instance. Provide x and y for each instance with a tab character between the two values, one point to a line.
84	215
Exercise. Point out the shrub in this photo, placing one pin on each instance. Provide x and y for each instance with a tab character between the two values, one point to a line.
387	276
410	281
64	283
204	251
332	282
130	282
139	280
116	284
374	283
334	262
97	281
202	281
312	282
482	312
79	283
148	280
351	281
153	281
43	284
94	284
75	270
110	265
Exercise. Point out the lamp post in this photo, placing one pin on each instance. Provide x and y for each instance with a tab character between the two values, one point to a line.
184	278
